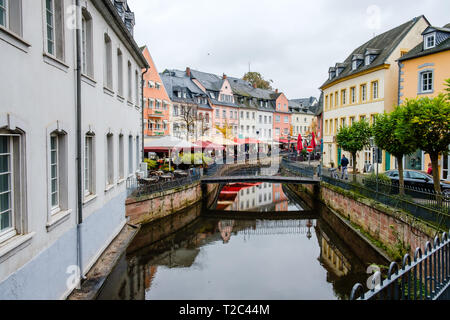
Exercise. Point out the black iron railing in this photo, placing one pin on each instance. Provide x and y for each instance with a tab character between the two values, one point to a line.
297	168
425	277
139	188
420	203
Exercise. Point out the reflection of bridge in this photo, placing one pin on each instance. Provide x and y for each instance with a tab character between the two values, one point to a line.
273	179
281	227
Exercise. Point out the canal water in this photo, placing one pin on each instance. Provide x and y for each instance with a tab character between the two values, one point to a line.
291	252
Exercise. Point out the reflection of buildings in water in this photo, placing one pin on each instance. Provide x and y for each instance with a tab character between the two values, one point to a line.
229	195
256	196
331	256
225	228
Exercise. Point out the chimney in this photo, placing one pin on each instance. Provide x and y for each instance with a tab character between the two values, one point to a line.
224	76
276	90
188	72
254	85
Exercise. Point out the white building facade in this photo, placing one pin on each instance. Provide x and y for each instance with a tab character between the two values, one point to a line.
41	236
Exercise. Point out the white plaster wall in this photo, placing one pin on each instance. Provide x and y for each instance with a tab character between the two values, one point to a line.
39	95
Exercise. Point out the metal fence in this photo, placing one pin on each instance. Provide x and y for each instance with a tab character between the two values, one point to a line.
138	189
420	203
426	277
298	169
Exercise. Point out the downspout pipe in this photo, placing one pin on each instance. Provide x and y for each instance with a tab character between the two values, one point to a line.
142	113
79	140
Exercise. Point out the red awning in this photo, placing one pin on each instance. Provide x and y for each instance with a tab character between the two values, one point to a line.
247	141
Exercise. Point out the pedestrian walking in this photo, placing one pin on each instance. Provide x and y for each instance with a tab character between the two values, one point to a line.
344	164
430	169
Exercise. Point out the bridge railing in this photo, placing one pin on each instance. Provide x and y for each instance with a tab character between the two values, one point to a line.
298	169
426	276
138	189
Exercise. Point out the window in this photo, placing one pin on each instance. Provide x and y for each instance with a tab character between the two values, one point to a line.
353	94
158	86
89	165
54	12
363	92
260	118
120	72
343	122
86	44
217	113
109	159
286	119
352	119
344	97
11	15
130	90
430	41
336	99
354	65
224	113
136	77
121	158
331	100
54	172
175	110
108	63
57	172
138	152
375	90
367	60
277	118
270	119
130	154
426	81
10	181
248	115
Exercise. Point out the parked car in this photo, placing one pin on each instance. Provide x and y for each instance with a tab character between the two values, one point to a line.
418	180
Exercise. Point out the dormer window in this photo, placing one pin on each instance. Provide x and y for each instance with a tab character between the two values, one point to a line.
429	41
354	65
367	60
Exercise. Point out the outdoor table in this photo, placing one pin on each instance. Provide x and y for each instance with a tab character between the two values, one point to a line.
166	177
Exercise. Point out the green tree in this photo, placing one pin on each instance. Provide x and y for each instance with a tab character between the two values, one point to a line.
392	135
447	84
257	78
354	139
429	119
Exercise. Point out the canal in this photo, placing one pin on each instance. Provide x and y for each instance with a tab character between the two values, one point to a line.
232	252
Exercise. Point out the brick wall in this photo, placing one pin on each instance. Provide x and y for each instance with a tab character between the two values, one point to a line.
382	223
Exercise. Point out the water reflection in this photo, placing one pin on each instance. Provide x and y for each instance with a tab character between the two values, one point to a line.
241	258
261	197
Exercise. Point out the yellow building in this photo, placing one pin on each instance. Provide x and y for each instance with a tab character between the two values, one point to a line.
366	84
423	71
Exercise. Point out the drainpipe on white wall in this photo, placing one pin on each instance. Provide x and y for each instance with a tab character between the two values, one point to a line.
142	113
79	141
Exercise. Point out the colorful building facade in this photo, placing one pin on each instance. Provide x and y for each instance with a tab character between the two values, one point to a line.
157	105
423	72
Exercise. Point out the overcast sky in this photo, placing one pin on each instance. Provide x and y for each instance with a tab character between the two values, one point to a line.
291	42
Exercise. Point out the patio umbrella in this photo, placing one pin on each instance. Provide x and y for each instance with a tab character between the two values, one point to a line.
299	143
313	140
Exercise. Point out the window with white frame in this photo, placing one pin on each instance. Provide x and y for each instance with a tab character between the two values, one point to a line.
353	94
109	159
286	119
367	60
108	74
137	87
426	81
121	157
86	44
363	92
430	41
354	65
375	90
89	168
54	28
138	152
130	90
120	72
10	159
57	172
11	15
130	154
